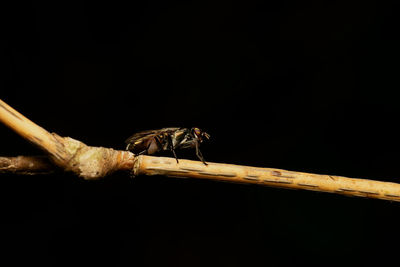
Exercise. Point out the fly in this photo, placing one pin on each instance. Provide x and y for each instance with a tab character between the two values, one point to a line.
152	141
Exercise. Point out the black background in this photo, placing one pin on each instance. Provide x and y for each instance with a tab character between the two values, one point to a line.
300	85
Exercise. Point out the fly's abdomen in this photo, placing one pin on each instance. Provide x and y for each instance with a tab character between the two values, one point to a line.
142	145
152	146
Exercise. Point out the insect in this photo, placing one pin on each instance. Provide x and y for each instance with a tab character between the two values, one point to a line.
152	141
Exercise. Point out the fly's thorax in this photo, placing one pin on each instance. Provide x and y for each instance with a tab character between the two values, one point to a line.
191	143
179	136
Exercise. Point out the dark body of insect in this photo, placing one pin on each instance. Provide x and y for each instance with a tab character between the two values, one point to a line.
153	141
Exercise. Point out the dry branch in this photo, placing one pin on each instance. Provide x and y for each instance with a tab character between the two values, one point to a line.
96	162
27	165
32	132
146	165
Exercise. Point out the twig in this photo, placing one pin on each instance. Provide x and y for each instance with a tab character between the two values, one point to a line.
27	165
146	165
67	153
96	162
32	132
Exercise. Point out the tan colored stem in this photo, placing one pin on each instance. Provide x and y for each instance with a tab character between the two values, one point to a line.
32	132
33	165
27	165
147	165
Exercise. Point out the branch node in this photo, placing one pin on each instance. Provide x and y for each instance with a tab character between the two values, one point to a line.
86	161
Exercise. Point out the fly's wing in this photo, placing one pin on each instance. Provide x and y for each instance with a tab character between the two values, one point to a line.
169	130
140	135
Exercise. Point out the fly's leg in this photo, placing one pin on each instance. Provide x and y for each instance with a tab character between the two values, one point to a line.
143	152
171	147
198	153
127	146
158	141
173	151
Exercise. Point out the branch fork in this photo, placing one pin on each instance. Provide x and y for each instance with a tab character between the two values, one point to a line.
91	162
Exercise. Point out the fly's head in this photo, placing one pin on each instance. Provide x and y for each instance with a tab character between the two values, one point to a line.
199	135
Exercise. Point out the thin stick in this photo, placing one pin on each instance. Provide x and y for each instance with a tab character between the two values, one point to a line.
146	165
38	165
149	165
27	165
32	132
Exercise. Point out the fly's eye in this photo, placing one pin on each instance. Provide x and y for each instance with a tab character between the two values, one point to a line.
197	131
